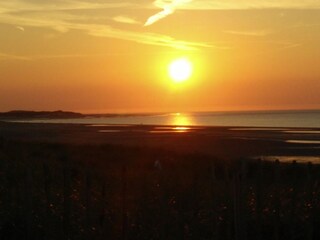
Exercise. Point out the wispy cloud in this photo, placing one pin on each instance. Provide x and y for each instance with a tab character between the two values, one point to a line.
168	8
288	45
251	4
305	25
64	15
20	28
145	38
57	5
5	56
25	14
125	19
257	33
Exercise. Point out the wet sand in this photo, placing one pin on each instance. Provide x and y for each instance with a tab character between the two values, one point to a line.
226	142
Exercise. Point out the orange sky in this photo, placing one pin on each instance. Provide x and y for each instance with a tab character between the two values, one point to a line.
98	56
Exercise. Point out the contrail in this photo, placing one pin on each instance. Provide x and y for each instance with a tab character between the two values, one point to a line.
168	8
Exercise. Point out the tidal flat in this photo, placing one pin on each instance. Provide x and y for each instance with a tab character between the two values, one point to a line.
74	181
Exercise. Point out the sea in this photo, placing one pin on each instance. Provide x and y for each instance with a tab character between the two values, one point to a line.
304	126
296	119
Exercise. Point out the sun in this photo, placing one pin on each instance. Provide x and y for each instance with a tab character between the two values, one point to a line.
180	70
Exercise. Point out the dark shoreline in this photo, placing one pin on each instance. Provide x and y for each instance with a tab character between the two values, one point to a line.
217	141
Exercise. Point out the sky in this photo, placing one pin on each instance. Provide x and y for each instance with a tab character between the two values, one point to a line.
101	56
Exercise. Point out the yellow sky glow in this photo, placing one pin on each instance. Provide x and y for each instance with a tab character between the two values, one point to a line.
106	56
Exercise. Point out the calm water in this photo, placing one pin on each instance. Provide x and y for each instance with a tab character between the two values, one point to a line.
307	119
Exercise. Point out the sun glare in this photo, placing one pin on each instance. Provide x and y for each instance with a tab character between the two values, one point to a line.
181	120
180	70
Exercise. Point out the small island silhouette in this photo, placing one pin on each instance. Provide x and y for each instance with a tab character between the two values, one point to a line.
18	114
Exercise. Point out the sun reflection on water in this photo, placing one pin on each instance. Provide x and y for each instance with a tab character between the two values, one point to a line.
177	123
181	122
180	129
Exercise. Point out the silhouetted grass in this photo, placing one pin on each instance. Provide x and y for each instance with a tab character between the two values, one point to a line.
54	191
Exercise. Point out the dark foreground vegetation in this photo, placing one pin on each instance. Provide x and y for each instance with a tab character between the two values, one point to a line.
64	191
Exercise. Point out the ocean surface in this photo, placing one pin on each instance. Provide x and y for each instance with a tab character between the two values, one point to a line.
300	119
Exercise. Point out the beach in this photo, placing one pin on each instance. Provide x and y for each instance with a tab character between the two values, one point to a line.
217	141
78	181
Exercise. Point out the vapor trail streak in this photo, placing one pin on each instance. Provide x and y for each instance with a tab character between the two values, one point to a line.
168	8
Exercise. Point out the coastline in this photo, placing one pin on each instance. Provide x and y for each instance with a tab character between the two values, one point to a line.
218	141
